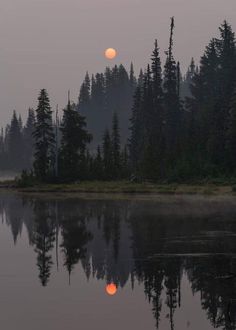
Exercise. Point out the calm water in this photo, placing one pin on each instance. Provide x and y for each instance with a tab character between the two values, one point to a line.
172	259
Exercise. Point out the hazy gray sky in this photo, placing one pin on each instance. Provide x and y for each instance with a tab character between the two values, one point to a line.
51	43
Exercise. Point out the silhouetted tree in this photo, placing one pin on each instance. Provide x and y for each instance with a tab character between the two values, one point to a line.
44	156
73	143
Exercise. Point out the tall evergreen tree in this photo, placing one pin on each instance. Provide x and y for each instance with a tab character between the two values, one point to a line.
171	101
97	169
231	136
135	141
156	129
44	156
73	143
84	97
107	156
28	139
15	144
116	147
132	77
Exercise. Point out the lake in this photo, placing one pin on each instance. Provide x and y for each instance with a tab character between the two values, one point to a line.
104	262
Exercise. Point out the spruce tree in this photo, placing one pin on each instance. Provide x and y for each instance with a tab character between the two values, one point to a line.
147	108
15	144
116	147
107	156
171	102
231	135
136	132
84	97
28	139
73	144
97	169
132	78
44	156
156	129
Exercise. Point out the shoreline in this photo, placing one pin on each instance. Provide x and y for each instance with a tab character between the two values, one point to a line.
125	187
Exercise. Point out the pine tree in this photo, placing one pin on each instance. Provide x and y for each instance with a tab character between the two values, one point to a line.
15	144
132	78
231	135
73	144
156	74
98	93
187	80
147	108
84	97
136	132
156	129
125	169
171	102
226	51
115	140
97	169
44	156
226	46
28	139
107	156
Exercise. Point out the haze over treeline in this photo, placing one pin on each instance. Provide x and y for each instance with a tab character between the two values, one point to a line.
51	43
155	126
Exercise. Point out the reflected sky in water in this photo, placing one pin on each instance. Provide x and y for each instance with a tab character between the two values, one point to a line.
172	260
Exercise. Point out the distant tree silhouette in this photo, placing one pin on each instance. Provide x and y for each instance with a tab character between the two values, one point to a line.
73	143
44	156
28	139
15	143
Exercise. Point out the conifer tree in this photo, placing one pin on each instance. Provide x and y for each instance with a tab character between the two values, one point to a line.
107	156
116	147
44	156
84	97
156	129
132	78
171	102
97	169
73	143
15	144
231	135
125	168
136	131
225	80
28	139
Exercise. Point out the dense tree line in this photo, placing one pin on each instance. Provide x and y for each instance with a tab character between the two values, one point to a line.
104	94
176	138
16	143
180	128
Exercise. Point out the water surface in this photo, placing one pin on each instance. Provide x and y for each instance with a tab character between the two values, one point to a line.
172	259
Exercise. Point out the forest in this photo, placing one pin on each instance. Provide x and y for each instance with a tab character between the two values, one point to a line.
159	126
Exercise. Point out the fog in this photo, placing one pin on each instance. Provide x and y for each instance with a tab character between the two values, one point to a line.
51	43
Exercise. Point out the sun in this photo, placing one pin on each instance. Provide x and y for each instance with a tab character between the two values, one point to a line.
111	289
110	53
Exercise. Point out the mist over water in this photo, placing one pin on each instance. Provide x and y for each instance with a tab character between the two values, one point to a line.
8	175
173	258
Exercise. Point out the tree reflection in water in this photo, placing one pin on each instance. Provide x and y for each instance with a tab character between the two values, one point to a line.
123	242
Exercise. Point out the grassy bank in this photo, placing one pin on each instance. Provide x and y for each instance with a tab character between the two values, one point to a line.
128	187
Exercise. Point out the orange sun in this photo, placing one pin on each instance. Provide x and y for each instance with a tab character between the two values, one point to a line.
110	53
111	289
